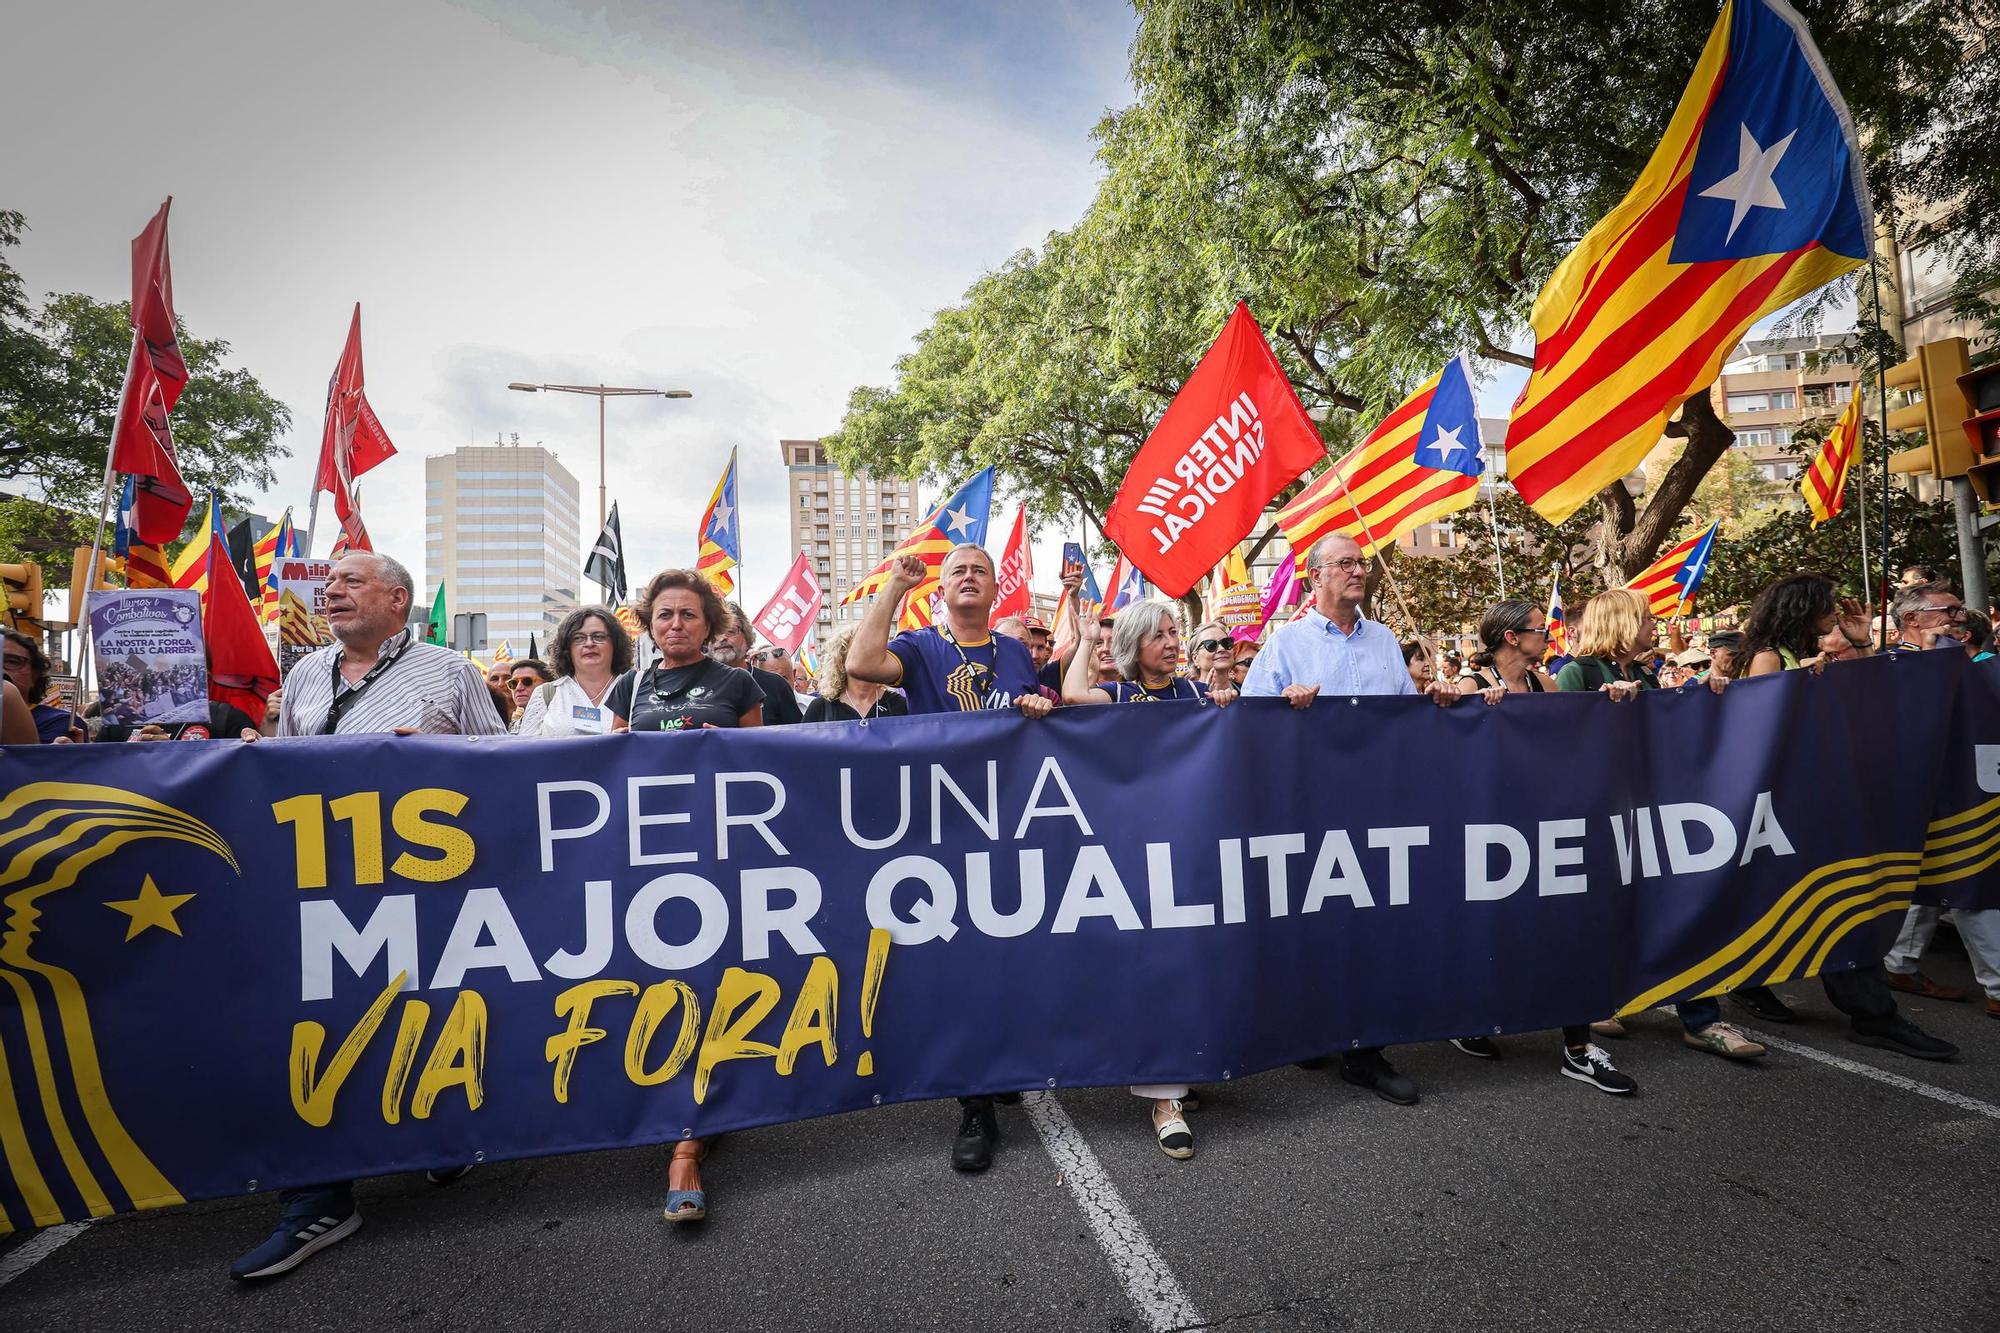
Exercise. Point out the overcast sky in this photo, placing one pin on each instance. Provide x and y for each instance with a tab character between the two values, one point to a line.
761	202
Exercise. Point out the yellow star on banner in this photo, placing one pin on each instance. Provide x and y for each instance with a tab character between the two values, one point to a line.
151	908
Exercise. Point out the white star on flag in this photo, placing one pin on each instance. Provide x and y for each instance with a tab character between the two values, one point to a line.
1447	443
958	521
720	521
1750	185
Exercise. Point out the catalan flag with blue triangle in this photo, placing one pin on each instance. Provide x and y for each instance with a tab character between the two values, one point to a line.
1669	583
1421	463
1128	585
280	543
720	549
1754	198
191	565
146	565
960	519
1556	621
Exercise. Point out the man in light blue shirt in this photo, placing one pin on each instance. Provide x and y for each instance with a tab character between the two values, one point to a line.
1336	648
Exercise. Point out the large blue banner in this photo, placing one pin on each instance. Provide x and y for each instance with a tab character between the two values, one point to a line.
232	968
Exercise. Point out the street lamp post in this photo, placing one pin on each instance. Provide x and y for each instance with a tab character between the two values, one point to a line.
600	392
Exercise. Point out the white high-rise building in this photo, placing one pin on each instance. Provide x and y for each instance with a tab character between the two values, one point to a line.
500	528
846	524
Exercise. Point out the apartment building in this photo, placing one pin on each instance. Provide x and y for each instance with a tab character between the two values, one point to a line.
1774	385
847	524
500	529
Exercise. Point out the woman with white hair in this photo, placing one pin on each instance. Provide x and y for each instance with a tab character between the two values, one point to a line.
1146	645
843	698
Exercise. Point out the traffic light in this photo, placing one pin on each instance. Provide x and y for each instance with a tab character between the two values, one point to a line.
1981	389
79	574
24	596
1934	372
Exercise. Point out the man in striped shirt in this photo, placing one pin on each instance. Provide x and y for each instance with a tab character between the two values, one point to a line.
373	678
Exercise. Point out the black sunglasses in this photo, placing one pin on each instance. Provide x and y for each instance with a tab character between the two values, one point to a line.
1211	645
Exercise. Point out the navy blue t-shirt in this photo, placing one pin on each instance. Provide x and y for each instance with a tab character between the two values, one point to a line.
941	676
1131	692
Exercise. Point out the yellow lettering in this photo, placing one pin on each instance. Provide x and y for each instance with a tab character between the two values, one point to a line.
812	1017
459	1058
654	1006
575	1002
454	844
742	1001
402	1058
313	1093
307	815
363	809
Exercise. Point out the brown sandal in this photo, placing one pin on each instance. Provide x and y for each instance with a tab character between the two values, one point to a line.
687	1205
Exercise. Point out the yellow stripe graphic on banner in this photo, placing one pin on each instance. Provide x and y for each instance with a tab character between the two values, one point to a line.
54	832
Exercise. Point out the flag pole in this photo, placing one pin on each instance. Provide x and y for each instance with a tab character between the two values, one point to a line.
83	639
1881	598
1493	517
1387	576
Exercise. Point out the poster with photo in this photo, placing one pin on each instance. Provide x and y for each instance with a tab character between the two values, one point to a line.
150	662
301	610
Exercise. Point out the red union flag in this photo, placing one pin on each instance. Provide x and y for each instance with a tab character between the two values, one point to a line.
352	440
142	441
1017	566
1234	436
788	617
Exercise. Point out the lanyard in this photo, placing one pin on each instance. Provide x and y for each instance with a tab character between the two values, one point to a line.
975	670
337	709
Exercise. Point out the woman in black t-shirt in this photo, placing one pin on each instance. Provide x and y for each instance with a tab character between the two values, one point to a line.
683	691
843	698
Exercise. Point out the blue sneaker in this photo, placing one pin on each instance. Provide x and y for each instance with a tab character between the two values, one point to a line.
310	1224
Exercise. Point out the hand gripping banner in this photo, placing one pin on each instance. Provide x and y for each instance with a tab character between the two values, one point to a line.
229	968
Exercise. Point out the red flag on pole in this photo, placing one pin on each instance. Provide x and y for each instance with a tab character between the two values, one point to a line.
1017	567
1234	436
142	443
352	440
353	533
241	670
787	619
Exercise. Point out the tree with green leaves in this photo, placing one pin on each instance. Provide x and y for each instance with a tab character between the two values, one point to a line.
62	367
1387	190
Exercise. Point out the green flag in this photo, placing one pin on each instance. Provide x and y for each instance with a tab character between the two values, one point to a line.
439	629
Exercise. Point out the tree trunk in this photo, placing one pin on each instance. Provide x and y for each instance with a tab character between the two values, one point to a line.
1629	540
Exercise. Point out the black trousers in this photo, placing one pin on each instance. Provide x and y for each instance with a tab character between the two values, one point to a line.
1863	995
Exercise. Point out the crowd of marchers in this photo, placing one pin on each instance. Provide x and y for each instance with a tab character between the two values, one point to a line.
704	669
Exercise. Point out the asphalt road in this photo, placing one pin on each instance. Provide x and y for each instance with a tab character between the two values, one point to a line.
1791	1194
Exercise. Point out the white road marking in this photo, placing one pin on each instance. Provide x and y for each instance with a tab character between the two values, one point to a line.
1150	1284
1945	1095
37	1248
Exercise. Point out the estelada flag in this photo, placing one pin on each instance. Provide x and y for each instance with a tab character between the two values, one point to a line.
1669	583
142	443
1824	482
1127	584
1754	198
241	670
352	439
1421	463
718	547
1557	622
788	618
1234	436
1065	634
960	519
1017	567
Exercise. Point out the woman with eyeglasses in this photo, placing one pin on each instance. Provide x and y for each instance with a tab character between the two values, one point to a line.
27	670
1145	644
686	690
1512	638
589	651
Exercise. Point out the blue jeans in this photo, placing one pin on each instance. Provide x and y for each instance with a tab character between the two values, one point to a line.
1698	1014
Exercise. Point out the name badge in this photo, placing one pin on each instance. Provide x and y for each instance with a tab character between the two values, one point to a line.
585	713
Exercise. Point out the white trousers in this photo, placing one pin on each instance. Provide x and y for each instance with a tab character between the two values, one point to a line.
1979	930
1159	1092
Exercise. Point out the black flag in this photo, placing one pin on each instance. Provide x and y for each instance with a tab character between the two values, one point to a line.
607	560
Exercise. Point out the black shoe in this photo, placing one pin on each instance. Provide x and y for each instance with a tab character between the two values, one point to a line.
1480	1047
1900	1035
1372	1070
972	1150
1007	1098
1192	1101
1762	1002
1591	1065
444	1175
1316	1062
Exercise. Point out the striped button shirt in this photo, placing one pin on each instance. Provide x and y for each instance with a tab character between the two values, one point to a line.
427	688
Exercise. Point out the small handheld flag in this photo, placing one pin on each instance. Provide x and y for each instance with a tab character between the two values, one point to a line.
1824	482
719	549
1421	463
1017	568
1754	198
1669	583
961	518
1558	624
